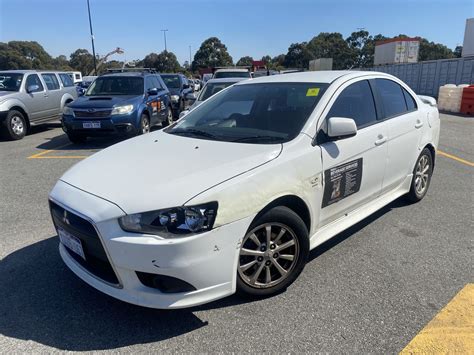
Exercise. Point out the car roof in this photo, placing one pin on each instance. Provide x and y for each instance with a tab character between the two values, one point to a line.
129	73
225	80
232	70
327	76
26	71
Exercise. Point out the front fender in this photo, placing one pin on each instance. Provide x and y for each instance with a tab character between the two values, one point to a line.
9	103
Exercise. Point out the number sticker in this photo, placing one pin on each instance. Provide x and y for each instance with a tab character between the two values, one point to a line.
312	92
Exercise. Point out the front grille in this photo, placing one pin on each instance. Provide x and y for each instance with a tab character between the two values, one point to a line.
94	114
96	261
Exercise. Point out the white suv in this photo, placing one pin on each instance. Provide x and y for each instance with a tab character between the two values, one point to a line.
250	181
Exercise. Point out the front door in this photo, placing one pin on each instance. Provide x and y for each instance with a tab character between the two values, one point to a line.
353	168
37	100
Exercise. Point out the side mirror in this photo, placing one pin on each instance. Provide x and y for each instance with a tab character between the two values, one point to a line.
32	88
183	113
191	97
81	92
153	91
341	127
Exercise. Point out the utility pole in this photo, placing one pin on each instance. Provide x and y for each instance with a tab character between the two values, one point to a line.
164	35
92	37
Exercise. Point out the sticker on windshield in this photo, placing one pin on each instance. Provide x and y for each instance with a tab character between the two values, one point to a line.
342	181
312	92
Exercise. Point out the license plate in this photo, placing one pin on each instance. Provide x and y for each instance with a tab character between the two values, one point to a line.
71	242
90	124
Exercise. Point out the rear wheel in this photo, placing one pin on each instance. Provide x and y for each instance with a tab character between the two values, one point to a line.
144	125
14	125
421	176
77	138
272	254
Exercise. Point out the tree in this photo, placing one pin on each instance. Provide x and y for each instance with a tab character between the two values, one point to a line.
245	61
212	53
278	62
298	56
266	59
332	45
24	55
61	63
458	52
432	51
81	60
165	62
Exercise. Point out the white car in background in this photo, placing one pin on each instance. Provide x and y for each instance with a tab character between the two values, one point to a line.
212	87
231	73
233	196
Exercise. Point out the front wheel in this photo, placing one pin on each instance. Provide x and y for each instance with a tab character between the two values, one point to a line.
15	125
272	254
421	176
144	125
169	117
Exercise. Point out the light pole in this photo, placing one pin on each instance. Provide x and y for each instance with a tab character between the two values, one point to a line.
164	35
92	36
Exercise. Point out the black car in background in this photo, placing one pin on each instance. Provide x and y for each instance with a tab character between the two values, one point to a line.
179	87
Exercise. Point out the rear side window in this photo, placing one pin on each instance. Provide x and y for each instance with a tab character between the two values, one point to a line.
410	101
66	80
34	79
51	81
392	97
356	102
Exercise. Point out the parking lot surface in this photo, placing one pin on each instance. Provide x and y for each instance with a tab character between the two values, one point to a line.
373	288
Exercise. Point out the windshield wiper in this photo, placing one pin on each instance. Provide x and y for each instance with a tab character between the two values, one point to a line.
259	138
194	132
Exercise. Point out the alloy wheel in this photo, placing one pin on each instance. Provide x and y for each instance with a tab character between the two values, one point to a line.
268	255
422	175
17	125
145	125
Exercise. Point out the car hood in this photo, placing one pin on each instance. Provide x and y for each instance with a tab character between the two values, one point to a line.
102	101
4	94
160	170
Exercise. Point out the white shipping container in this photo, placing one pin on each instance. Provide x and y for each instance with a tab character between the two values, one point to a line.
397	51
468	45
320	64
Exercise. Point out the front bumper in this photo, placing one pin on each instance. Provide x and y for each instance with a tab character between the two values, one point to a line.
119	125
207	261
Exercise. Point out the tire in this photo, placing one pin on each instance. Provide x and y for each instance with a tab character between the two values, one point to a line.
169	117
144	125
422	173
258	274
15	125
77	138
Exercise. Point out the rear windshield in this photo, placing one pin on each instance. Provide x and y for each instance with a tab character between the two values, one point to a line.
232	74
116	85
10	81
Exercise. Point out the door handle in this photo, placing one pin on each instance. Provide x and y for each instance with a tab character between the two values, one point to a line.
418	124
45	95
381	140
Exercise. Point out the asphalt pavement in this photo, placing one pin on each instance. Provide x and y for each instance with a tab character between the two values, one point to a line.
369	290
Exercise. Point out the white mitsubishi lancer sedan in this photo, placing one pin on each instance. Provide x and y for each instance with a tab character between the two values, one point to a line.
232	197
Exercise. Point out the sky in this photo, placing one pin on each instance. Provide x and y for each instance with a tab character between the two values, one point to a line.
247	27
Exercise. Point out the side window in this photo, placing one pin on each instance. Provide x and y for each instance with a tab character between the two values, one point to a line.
156	82
66	80
51	81
392	97
33	79
148	83
184	80
356	102
410	101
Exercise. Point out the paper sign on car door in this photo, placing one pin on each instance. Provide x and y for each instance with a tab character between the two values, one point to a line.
342	181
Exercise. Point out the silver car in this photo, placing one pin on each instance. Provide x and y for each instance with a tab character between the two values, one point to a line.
30	97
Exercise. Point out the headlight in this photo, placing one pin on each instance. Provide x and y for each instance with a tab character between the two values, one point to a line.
122	110
175	98
172	222
68	111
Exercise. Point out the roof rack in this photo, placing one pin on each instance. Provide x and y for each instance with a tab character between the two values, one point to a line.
124	70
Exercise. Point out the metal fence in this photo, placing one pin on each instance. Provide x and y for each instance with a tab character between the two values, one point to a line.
425	78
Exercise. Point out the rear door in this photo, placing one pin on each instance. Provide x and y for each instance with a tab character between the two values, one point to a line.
403	120
54	93
353	167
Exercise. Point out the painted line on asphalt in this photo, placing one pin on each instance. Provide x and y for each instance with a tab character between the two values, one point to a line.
461	160
38	155
451	331
43	155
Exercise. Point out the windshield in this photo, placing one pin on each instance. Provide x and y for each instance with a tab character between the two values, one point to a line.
232	74
116	85
10	81
212	88
171	81
253	113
